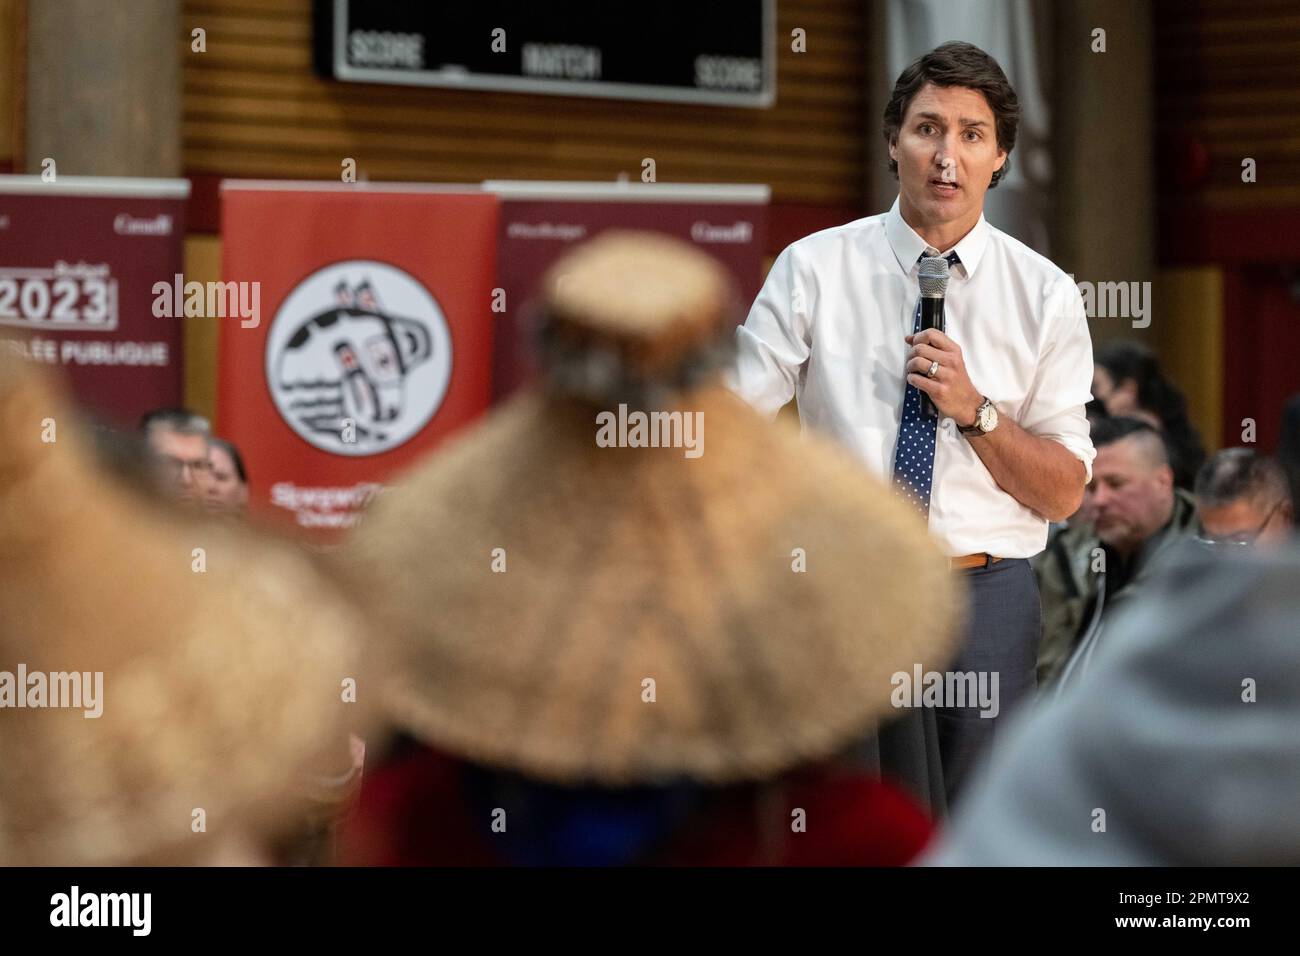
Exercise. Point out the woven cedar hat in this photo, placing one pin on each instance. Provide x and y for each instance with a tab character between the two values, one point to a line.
618	566
222	690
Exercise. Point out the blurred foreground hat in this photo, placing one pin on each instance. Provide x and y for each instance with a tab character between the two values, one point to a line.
222	669
584	610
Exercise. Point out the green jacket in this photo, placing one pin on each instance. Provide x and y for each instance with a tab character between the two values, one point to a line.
1072	583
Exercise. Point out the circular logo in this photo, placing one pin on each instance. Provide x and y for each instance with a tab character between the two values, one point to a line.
358	358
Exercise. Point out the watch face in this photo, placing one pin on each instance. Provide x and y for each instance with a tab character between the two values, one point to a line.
988	417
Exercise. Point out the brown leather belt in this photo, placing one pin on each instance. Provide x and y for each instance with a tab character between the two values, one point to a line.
980	560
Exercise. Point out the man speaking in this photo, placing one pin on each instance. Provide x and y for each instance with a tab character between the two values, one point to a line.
838	323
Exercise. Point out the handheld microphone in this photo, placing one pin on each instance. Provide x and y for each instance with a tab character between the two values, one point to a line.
934	286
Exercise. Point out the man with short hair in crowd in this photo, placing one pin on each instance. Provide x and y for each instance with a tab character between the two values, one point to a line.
178	441
1138	515
1242	500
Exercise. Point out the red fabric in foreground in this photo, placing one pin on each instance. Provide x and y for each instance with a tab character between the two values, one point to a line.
413	812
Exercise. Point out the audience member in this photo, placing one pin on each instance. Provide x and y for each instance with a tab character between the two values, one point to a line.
1128	380
206	716
615	681
1137	515
178	440
227	478
1179	748
1242	500
1288	448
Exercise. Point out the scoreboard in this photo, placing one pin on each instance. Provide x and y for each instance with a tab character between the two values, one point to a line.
718	52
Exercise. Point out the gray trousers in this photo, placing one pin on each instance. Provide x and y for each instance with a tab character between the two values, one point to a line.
1002	635
929	751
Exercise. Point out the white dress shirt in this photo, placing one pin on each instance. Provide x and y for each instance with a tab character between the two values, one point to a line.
828	327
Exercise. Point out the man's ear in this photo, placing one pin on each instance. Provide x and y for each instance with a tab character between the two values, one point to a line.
1167	477
893	148
1002	160
1129	388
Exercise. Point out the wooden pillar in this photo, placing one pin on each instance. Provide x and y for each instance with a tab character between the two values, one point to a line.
12	82
1104	139
104	87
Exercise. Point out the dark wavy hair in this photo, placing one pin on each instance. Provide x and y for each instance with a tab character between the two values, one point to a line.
1159	396
958	64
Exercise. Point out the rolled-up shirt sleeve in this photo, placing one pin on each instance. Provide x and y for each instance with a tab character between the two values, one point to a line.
1063	384
774	343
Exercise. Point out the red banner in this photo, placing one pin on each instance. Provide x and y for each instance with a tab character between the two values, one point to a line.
374	341
541	220
79	261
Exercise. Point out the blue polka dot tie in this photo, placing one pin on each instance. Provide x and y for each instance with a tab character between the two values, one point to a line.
914	454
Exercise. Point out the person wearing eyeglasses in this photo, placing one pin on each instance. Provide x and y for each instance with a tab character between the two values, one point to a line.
178	440
1242	501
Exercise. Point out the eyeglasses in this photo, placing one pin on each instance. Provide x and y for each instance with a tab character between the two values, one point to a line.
1242	539
178	465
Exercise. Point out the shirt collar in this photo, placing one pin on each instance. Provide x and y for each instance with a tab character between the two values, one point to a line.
908	246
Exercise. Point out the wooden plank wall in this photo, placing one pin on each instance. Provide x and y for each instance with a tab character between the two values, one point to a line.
1228	76
1227	84
253	108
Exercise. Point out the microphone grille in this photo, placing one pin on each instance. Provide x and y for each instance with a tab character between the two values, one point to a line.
934	276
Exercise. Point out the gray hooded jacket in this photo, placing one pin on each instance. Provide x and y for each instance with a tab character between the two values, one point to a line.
1179	746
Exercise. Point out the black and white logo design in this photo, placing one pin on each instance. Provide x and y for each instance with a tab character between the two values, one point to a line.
358	358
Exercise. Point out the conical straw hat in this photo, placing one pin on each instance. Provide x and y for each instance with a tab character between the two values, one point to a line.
221	690
622	615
